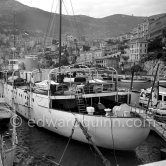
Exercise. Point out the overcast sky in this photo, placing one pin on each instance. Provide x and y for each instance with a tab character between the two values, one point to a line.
102	8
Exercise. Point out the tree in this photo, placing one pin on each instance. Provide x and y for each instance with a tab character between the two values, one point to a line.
46	62
155	45
21	66
86	48
125	58
134	69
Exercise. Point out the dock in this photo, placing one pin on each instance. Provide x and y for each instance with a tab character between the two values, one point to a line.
159	128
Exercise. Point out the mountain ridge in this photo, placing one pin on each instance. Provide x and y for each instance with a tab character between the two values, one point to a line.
37	20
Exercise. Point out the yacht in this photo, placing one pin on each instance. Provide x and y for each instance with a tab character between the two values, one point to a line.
69	97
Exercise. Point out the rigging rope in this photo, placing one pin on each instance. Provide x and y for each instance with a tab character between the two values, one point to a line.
89	138
51	22
72	27
75	19
72	132
57	163
113	141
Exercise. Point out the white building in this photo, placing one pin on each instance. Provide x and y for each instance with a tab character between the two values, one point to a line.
89	56
138	49
13	64
107	61
141	31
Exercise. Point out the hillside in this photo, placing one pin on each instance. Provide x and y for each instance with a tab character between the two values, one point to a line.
36	20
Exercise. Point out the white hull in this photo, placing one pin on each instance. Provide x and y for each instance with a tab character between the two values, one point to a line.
134	81
118	133
144	101
159	111
162	81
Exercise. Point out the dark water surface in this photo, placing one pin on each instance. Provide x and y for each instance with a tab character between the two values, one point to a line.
36	143
136	86
36	146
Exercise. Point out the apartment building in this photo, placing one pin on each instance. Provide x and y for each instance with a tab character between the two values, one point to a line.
88	57
138	49
141	31
107	61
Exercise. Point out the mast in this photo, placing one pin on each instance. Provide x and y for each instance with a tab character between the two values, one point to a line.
14	38
60	31
152	86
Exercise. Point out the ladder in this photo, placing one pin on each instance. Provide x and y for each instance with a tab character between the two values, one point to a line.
80	102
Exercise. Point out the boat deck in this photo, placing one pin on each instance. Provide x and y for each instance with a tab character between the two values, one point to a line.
159	128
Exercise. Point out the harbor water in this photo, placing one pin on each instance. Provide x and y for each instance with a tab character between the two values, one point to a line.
39	147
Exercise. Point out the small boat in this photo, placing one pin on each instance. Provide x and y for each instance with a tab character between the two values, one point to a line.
159	114
161	81
160	102
157	106
8	138
140	80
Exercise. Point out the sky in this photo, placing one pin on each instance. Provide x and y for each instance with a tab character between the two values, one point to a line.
102	8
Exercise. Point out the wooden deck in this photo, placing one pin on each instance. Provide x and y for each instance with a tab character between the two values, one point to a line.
159	128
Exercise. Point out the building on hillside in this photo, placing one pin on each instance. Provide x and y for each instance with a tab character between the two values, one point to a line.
89	57
103	45
141	31
98	53
124	59
112	49
86	57
157	27
125	56
12	64
124	37
69	37
138	49
107	61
